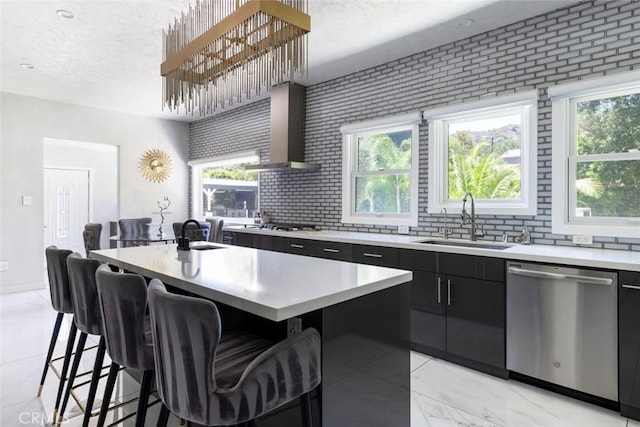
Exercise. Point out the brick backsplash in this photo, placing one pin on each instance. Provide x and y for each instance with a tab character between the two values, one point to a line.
585	40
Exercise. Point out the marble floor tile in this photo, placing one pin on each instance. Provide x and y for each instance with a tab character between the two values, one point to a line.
427	412
506	403
418	359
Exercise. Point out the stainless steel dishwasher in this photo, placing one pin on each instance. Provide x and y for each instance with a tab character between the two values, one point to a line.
562	326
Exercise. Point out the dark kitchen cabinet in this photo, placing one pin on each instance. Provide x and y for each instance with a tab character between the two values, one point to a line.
300	246
375	255
475	319
428	317
270	243
247	240
259	241
629	343
458	308
333	250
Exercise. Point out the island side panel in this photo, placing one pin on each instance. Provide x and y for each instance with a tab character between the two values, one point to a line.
366	360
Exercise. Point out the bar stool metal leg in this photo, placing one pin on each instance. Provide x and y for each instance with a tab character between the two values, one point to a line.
145	390
305	403
52	345
95	377
111	381
65	368
163	418
72	375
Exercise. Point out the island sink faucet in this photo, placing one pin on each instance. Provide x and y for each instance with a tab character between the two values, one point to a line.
183	241
470	219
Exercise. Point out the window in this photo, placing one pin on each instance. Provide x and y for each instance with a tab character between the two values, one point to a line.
380	171
596	146
487	148
222	188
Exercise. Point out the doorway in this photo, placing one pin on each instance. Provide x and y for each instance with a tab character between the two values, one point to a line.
66	207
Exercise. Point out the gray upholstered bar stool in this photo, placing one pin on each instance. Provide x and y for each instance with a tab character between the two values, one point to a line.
215	234
61	302
91	237
207	380
126	329
88	320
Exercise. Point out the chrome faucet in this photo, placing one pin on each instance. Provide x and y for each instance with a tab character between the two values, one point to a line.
445	230
470	219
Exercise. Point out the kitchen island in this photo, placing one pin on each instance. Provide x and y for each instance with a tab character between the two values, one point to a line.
361	311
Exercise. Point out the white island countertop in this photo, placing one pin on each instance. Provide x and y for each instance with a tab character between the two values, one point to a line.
274	285
568	255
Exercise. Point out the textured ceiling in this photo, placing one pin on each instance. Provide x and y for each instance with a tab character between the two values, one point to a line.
109	55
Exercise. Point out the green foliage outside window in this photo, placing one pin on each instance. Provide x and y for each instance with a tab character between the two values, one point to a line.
609	125
476	164
382	178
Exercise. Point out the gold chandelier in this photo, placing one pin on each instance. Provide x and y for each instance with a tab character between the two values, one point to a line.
222	51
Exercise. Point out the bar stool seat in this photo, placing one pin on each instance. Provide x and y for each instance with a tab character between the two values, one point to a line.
209	380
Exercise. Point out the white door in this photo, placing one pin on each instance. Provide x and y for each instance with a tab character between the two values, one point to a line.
66	207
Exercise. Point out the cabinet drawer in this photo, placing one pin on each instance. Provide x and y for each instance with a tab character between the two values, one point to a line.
417	260
474	267
300	246
375	255
332	250
270	243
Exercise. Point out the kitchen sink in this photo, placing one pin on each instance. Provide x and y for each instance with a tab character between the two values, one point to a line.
467	244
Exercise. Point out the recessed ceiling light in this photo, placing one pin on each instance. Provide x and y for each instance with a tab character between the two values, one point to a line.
465	22
27	66
65	14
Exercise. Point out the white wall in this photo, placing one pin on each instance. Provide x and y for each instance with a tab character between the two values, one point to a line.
25	123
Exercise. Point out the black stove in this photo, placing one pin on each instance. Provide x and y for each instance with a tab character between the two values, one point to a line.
284	227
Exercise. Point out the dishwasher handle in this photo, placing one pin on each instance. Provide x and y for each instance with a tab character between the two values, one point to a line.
560	276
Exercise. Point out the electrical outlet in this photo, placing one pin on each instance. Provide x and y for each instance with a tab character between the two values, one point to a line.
294	326
4	265
581	239
403	229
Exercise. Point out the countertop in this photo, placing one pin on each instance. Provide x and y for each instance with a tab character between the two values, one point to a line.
273	285
568	255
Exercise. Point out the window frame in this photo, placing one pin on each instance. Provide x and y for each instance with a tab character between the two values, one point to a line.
350	134
527	103
196	178
564	99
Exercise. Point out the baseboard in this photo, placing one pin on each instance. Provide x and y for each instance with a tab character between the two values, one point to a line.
34	286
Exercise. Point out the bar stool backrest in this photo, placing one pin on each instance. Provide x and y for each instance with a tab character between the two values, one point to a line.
186	332
59	279
123	301
215	235
84	293
91	237
134	226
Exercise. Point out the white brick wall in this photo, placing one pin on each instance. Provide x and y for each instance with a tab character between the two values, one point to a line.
585	40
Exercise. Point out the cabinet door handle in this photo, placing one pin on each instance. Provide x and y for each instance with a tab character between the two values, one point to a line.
631	286
295	245
333	251
448	291
439	292
372	255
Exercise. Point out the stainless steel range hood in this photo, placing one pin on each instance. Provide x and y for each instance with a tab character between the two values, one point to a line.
286	148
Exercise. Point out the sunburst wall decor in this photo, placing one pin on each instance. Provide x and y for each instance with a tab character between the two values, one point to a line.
155	165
